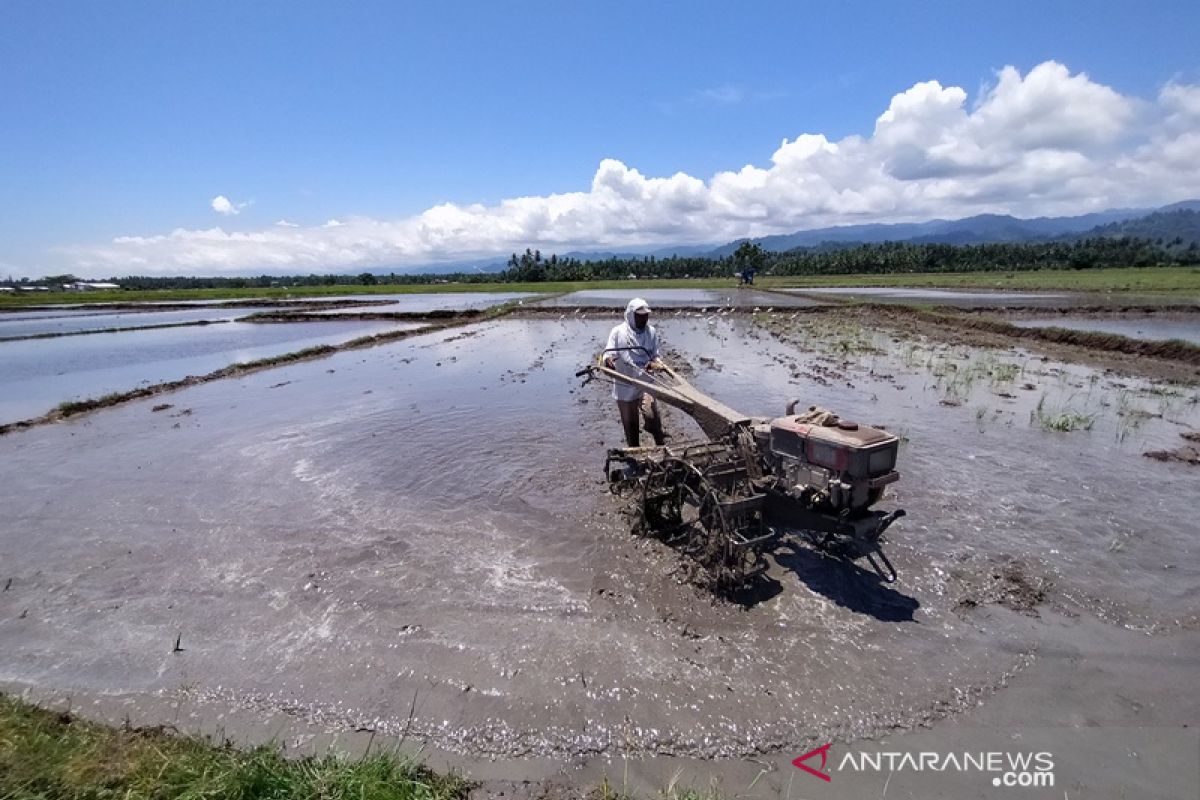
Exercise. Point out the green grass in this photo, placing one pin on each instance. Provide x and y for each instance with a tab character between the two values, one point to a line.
49	755
71	407
44	754
1063	420
1148	279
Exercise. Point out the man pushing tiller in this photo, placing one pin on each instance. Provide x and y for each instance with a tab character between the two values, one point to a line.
632	350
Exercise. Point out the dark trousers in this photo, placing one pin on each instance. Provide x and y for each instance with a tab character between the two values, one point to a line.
647	408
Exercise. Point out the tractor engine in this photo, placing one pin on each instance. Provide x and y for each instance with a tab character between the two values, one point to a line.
830	465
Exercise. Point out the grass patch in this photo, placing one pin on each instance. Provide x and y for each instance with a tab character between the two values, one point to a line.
44	754
71	407
1062	420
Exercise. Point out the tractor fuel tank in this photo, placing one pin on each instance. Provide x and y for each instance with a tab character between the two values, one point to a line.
839	466
844	448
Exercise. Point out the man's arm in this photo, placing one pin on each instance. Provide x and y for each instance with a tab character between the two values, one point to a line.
655	362
609	356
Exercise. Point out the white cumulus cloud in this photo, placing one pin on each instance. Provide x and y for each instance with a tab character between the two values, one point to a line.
226	207
1048	142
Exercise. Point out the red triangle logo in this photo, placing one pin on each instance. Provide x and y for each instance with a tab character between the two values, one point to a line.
823	752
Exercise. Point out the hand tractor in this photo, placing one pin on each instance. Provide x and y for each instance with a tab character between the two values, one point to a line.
727	500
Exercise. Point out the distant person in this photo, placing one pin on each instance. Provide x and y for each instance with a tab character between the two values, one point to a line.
632	350
746	277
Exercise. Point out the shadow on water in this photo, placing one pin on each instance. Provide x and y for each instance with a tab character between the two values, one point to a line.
846	583
759	590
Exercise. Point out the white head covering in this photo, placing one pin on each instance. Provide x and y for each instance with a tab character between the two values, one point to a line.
635	305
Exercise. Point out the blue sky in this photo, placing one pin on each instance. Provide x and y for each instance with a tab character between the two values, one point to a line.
122	122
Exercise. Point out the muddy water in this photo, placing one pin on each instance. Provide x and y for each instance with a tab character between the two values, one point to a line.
38	374
73	323
984	299
425	530
1152	328
983	458
675	298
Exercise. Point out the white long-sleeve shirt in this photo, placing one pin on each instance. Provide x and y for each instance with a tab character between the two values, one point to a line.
631	362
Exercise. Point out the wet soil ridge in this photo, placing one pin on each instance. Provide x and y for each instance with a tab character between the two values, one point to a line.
76	407
306	315
59	334
1187	453
150	308
1169	350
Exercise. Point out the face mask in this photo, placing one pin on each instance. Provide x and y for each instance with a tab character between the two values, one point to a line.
640	320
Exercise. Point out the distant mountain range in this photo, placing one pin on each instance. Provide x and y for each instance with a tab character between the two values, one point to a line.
1178	220
994	229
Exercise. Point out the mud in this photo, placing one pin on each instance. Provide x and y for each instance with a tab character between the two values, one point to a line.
1165	360
1155	327
1187	453
420	544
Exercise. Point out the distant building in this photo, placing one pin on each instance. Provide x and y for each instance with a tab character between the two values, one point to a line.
7	289
90	286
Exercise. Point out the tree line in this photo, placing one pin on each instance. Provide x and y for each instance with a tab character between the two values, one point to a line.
863	259
860	259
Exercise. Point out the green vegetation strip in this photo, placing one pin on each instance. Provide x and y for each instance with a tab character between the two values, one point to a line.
1174	280
44	754
59	334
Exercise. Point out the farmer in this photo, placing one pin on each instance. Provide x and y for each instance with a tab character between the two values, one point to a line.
632	350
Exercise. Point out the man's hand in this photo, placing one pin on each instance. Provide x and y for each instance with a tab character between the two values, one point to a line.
610	363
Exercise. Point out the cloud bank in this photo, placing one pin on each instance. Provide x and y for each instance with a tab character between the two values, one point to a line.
1045	143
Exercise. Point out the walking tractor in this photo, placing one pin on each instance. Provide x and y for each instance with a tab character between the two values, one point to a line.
727	500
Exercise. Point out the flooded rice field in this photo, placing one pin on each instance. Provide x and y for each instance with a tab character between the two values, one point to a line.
1157	328
416	303
683	298
18	325
38	374
416	539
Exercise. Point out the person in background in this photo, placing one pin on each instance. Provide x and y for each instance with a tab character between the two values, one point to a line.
632	350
